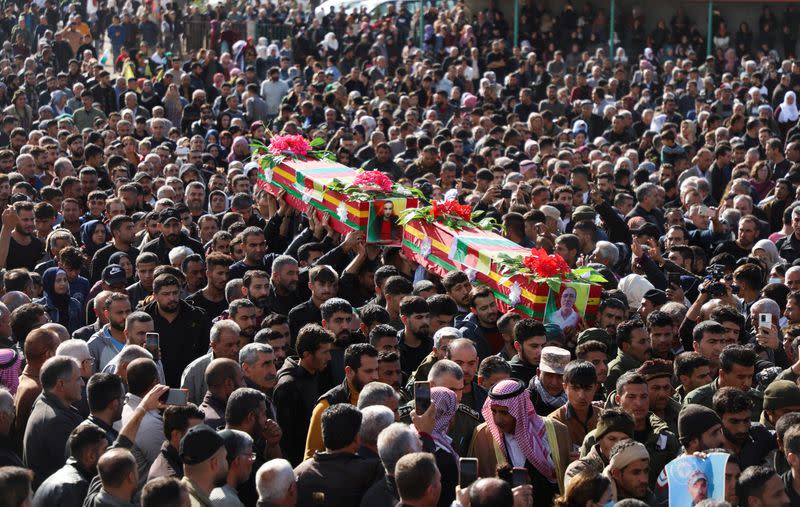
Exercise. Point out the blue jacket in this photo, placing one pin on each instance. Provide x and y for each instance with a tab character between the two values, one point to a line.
76	318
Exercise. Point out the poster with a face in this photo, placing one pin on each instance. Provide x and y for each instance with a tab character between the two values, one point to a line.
382	225
567	306
692	479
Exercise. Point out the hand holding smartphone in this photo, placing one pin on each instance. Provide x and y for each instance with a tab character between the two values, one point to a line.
468	471
422	396
153	345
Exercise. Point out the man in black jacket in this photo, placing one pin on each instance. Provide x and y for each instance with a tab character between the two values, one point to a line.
298	388
393	443
183	329
69	484
171	236
530	337
53	418
122	237
340	474
324	284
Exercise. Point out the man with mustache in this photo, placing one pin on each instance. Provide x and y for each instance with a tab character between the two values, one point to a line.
224	343
255	287
634	349
172	235
337	317
324	284
244	313
258	364
255	246
211	298
750	441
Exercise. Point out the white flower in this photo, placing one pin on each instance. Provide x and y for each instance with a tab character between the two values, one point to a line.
515	293
268	174
471	274
306	196
425	247
341	211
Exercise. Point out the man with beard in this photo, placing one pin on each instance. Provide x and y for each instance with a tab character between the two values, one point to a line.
258	364
480	325
458	287
255	246
195	198
390	372
659	326
415	340
462	352
224	343
69	484
182	328
108	342
297	391
275	333
244	313
171	236
633	349
122	237
324	284
211	298
658	373
205	463
529	339
255	287
283	293
700	429
750	441
23	248
361	368
628	469
248	411
337	317
610	314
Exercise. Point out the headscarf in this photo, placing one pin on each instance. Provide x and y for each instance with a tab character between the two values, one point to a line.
87	231
209	133
116	257
788	111
330	41
773	256
446	405
529	433
61	301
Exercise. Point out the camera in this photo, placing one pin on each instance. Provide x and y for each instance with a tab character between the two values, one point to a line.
717	289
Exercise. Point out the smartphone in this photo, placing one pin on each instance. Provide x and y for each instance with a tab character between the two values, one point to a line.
422	396
179	397
765	321
152	345
520	477
468	472
505	193
674	279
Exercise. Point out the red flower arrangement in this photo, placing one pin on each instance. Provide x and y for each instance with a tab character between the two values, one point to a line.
463	211
294	144
544	265
373	180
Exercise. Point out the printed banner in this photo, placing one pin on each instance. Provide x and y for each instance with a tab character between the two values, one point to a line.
692	480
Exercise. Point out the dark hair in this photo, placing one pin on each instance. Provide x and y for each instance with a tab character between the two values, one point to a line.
354	353
785	422
176	418
16	279
56	368
528	328
323	274
311	337
335	305
396	286
83	437
493	364
251	274
729	400
629	378
116	223
736	354
586	347
162	492
414	473
479	292
142	374
442	304
383	273
165	280
374	314
612	302
454	278
707	326
726	313
411	305
580	373
102	389
583	488
791	440
381	331
625	330
751	482
241	403
340	425
687	362
24	320
657	318
15	483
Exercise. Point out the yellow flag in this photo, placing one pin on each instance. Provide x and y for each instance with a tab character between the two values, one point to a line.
127	70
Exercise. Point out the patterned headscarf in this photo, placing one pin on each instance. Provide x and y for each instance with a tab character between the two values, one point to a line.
530	431
446	405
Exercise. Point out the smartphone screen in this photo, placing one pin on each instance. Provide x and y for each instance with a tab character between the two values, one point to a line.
177	397
505	193
152	344
765	321
422	396
520	477
468	472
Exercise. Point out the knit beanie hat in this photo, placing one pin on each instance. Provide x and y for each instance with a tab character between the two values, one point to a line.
694	420
781	394
620	422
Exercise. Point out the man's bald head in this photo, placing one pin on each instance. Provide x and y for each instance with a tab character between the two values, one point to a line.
41	344
61	331
100	303
15	299
490	492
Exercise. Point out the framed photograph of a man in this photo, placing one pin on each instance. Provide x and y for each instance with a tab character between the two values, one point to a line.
566	307
693	479
382	226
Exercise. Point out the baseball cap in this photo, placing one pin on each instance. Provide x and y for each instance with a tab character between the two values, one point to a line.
199	444
114	274
168	214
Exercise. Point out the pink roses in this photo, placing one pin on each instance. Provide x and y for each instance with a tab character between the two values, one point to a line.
294	144
373	180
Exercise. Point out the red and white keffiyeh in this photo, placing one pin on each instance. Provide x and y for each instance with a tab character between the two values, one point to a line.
530	432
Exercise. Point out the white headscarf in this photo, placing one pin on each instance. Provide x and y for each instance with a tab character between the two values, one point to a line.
634	286
330	41
788	111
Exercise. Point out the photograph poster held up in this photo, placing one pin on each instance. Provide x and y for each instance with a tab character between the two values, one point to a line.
567	306
382	226
692	479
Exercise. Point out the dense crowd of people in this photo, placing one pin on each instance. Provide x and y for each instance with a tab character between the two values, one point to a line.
172	334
